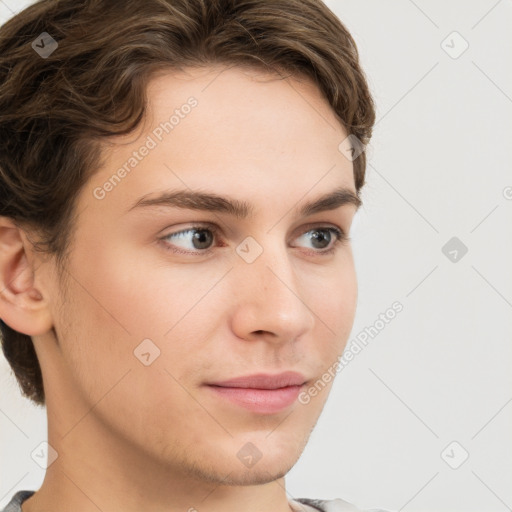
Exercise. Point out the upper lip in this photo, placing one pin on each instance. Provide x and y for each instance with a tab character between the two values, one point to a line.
263	381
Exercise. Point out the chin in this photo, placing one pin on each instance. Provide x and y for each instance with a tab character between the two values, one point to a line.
255	476
230	471
238	475
274	464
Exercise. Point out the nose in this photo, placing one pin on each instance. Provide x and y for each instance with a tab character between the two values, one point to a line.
270	302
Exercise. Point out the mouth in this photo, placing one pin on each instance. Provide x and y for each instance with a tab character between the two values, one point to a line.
260	393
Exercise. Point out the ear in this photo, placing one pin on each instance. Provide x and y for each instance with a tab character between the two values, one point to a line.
23	307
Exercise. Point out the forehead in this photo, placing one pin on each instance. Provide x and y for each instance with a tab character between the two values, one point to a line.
239	131
239	85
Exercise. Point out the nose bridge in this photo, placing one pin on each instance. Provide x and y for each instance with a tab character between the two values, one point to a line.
267	260
270	297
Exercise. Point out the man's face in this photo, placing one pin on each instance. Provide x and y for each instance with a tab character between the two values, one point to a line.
142	330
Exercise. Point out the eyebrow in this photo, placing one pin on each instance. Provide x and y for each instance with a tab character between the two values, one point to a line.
194	200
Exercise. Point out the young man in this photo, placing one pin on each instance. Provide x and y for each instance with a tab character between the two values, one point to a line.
178	180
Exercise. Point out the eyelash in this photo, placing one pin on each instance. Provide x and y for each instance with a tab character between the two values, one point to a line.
340	239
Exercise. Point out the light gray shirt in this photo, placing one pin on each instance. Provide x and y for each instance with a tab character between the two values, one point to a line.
298	505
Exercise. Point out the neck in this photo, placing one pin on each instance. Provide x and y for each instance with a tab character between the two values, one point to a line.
100	470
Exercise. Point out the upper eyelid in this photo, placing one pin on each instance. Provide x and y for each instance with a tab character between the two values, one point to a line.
216	230
341	238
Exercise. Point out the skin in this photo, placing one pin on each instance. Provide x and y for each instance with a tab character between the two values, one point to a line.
133	437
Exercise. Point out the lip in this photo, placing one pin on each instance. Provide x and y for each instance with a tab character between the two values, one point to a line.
263	381
261	393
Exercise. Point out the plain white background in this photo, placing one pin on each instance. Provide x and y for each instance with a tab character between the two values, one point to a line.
433	387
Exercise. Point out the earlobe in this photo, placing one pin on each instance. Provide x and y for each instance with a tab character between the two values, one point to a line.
23	306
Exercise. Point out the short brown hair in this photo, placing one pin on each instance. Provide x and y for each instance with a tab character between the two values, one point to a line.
54	111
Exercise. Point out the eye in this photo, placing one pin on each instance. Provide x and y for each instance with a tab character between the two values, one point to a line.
198	240
326	238
191	240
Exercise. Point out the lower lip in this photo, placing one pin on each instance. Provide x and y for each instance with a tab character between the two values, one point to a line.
262	401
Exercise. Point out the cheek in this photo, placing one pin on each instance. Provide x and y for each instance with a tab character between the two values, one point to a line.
337	296
120	303
102	369
335	306
129	296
